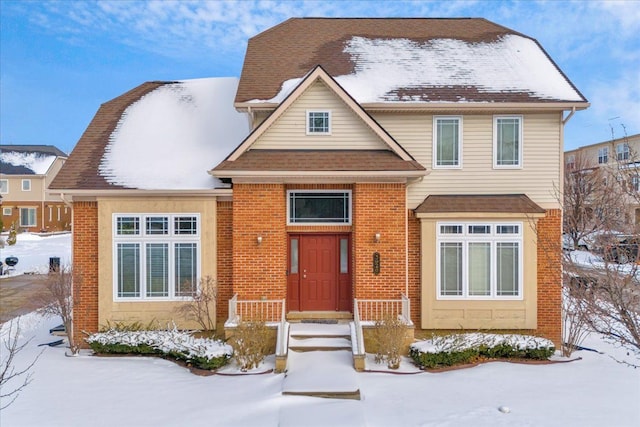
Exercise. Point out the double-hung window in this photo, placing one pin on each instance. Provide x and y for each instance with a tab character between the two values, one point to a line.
4	186
622	151
156	256
26	185
479	260
447	142
603	155
318	122
507	141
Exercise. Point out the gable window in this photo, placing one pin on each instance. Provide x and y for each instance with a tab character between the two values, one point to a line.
603	155
27	217
156	256
479	261
4	186
447	143
622	152
318	122
26	185
507	141
319	207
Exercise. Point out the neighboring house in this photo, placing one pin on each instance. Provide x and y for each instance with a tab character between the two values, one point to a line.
411	160
25	173
616	159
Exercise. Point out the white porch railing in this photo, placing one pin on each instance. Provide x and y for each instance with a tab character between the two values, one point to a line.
371	310
271	312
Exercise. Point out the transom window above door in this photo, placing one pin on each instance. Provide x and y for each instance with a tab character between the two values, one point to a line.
318	207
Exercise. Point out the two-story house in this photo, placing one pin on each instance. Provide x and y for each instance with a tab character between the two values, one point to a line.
409	160
617	159
25	173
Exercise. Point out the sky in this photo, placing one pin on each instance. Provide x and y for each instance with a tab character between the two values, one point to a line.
59	60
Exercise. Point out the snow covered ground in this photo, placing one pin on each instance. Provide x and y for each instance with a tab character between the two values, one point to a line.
33	252
128	391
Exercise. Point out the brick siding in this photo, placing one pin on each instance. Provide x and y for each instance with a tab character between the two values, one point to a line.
85	270
550	276
225	259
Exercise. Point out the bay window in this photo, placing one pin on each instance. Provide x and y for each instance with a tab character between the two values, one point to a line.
482	261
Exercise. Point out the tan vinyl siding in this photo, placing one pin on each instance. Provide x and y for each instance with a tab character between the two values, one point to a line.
538	178
347	130
16	194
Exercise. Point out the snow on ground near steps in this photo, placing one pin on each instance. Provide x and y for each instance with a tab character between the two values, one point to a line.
33	252
340	329
130	391
320	372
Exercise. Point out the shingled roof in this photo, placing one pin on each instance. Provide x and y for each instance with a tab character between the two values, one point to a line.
418	59
27	159
493	203
81	171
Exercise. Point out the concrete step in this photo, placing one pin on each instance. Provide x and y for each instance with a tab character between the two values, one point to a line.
319	330
313	343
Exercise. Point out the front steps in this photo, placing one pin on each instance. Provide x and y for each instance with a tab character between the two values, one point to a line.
320	362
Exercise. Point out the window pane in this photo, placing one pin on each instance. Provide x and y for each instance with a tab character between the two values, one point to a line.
319	207
157	225
128	267
26	185
294	256
318	122
508	229
157	270
127	225
479	269
27	217
450	229
508	144
479	229
4	186
448	142
186	269
186	225
451	268
344	256
507	269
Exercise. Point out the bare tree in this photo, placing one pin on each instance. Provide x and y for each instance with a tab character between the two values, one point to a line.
12	379
201	308
57	300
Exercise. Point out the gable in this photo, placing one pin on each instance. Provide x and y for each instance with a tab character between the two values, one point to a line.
348	131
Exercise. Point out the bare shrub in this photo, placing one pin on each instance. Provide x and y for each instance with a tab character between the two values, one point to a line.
250	343
574	323
57	300
388	337
201	307
13	380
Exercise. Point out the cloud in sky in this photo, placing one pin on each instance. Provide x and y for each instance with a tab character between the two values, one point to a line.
595	43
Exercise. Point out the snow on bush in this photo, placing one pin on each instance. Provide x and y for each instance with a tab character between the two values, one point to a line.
203	352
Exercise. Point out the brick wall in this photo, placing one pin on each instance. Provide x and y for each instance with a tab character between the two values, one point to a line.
50	221
549	231
379	208
85	269
225	259
414	266
259	270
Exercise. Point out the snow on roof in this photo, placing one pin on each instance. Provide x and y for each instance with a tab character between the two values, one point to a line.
170	138
510	64
37	163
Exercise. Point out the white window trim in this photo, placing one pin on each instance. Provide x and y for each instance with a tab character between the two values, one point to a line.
603	154
6	211
35	217
306	224
143	239
495	142
624	154
306	123
435	142
28	182
7	186
465	238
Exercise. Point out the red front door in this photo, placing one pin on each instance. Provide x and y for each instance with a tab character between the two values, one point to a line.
319	272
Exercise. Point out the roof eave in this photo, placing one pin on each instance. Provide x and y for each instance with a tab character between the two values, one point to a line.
120	192
316	174
442	106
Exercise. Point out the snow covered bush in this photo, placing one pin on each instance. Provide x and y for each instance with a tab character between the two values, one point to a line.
455	349
203	353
